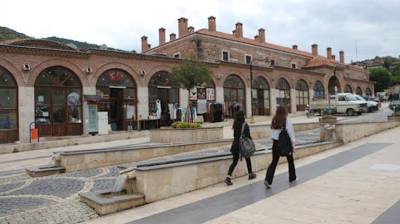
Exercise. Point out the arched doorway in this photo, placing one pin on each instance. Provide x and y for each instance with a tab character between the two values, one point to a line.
8	107
162	90
334	86
58	102
348	89
319	90
283	94
234	94
302	96
201	97
368	92
118	93
359	91
260	103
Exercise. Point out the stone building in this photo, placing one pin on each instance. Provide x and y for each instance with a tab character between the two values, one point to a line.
55	84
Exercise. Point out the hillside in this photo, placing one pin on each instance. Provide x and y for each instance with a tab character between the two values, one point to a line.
9	34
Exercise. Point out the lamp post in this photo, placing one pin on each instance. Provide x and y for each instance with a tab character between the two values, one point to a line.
266	60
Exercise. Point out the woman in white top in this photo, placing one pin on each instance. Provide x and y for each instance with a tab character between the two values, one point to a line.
278	121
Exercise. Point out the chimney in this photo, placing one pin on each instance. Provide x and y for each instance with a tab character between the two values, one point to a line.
182	27
341	56
212	24
314	49
172	36
161	35
257	38
329	53
234	33
191	29
145	45
295	47
239	30
261	35
333	57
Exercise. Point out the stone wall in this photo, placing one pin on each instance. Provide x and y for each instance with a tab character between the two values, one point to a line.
175	135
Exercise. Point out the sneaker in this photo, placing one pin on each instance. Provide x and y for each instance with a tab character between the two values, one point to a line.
228	181
267	185
252	176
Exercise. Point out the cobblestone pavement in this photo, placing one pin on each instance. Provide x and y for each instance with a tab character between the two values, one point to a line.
52	199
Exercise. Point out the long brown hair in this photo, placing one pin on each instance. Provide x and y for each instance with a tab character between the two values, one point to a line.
279	118
239	120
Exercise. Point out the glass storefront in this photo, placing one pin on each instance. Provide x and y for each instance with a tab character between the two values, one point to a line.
319	90
302	96
234	95
260	97
8	107
283	94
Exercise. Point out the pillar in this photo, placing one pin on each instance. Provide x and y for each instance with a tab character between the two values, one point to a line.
219	91
85	116
143	104
26	111
273	100
248	102
293	100
183	98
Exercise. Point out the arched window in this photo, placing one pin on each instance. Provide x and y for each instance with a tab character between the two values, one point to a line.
368	92
319	90
8	107
359	91
234	95
58	102
334	86
302	97
283	94
118	97
161	89
260	97
348	89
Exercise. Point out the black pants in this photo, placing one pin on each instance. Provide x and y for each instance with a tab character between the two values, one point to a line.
275	159
234	163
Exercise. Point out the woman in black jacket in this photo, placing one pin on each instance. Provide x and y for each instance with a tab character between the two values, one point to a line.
235	148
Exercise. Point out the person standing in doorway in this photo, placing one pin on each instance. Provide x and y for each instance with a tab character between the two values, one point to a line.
279	122
235	148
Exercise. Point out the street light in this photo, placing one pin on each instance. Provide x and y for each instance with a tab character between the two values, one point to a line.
266	60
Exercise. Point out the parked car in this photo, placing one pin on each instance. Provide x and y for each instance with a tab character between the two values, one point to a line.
342	103
375	99
371	105
395	105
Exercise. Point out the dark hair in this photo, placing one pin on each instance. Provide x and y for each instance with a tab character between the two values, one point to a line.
239	120
279	117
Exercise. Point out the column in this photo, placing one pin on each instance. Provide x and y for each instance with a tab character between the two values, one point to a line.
143	102
248	102
293	100
183	98
273	100
87	90
310	95
26	111
219	91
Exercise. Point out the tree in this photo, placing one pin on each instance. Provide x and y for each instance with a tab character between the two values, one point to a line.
189	74
381	77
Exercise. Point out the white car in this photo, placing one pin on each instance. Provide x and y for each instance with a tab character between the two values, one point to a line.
371	105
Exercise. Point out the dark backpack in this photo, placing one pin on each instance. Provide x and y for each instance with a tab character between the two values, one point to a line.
247	146
285	143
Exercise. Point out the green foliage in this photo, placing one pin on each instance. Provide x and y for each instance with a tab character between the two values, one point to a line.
381	77
9	34
191	73
180	124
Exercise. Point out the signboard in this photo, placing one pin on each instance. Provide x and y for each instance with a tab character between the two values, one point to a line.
210	94
193	94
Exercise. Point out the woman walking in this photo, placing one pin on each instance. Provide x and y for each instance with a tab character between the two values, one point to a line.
279	123
235	148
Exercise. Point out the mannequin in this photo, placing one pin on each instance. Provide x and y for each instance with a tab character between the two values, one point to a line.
158	109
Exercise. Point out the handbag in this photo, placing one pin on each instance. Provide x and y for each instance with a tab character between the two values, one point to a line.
247	146
285	142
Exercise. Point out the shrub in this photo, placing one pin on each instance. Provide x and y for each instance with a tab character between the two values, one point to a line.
180	124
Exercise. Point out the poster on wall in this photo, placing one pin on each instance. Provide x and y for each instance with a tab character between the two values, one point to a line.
130	111
193	94
210	94
201	93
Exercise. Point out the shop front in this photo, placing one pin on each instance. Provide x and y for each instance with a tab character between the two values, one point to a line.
8	107
234	95
260	97
283	94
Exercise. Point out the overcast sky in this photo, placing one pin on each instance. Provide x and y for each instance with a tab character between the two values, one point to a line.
371	27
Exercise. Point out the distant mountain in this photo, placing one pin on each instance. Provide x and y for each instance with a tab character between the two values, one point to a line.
9	34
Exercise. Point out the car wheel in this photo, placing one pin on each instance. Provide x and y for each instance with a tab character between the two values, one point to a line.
350	112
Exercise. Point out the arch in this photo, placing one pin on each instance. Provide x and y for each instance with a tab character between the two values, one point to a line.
368	92
16	74
334	86
319	90
348	89
302	96
260	103
155	70
118	91
283	94
359	91
164	96
8	107
58	102
57	63
114	65
234	95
